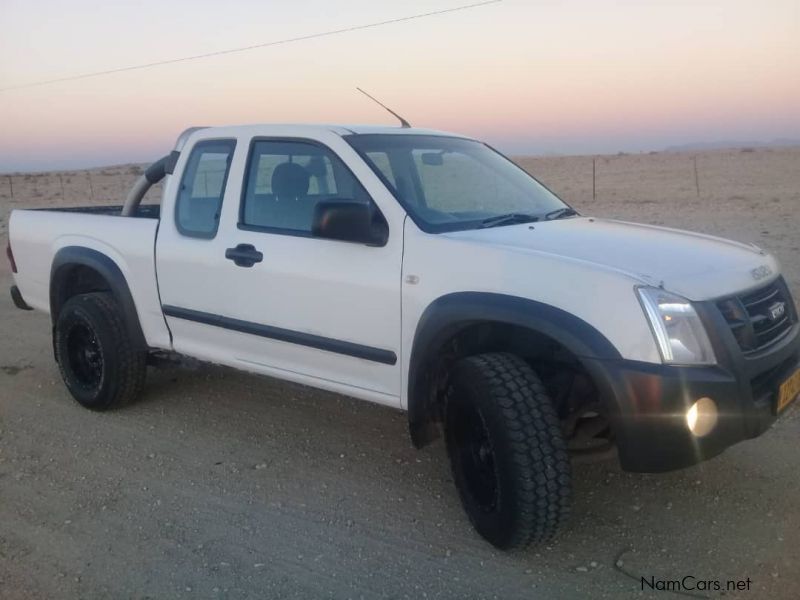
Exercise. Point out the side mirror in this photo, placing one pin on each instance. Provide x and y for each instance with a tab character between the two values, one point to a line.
349	221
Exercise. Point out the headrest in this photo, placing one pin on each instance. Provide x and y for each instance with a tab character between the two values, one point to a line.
316	166
290	180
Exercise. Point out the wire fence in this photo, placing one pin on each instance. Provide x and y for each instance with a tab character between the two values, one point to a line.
650	179
666	178
107	186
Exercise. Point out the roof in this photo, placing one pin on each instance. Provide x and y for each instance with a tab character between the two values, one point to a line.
384	129
310	129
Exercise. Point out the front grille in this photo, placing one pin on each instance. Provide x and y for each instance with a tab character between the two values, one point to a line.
760	318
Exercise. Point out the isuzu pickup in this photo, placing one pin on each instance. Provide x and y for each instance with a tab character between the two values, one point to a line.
427	272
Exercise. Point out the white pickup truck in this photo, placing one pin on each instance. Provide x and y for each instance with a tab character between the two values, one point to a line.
426	272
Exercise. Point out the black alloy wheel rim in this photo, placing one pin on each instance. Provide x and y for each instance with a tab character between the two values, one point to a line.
84	355
476	455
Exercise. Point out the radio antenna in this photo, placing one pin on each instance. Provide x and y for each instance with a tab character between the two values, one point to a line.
403	123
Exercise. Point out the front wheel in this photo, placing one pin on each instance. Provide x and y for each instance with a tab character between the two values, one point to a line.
508	457
98	361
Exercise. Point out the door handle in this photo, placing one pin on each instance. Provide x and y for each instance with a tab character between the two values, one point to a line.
244	255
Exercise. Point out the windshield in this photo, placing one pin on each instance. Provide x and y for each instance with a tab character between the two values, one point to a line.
448	183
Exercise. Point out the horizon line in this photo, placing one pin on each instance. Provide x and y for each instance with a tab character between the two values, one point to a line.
687	148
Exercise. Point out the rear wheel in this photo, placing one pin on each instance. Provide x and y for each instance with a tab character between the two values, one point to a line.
96	356
509	459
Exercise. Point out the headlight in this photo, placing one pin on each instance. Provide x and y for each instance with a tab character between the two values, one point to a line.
679	333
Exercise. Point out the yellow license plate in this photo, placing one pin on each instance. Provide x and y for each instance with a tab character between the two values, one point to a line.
789	390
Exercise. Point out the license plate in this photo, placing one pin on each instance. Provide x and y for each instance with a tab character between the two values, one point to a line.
789	390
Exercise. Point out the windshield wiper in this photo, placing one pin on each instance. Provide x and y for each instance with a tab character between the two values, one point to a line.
560	213
508	219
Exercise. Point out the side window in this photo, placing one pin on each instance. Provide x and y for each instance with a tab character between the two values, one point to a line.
287	179
319	168
202	187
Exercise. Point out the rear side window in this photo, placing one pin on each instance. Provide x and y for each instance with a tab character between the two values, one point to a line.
202	188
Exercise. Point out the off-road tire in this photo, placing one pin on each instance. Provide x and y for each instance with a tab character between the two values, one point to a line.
97	358
525	495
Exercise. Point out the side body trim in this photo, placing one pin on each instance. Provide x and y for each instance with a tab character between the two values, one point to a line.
378	355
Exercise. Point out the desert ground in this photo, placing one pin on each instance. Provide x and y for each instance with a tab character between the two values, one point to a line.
218	484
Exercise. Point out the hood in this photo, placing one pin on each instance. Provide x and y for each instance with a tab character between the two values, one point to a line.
694	265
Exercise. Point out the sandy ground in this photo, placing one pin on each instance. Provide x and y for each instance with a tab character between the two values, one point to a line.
219	484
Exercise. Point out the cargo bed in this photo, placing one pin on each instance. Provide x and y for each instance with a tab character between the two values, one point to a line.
143	211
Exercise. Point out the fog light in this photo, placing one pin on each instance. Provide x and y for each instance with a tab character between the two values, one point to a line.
702	417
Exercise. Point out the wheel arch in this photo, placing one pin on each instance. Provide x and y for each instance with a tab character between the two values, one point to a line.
448	316
77	270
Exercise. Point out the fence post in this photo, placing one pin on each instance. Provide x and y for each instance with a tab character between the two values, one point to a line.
11	186
696	178
61	182
91	187
594	177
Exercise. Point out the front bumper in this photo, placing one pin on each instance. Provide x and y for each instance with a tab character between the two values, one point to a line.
647	402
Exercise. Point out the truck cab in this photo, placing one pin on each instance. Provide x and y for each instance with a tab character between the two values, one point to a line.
244	210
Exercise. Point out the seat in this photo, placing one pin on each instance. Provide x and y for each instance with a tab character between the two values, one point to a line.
290	181
288	206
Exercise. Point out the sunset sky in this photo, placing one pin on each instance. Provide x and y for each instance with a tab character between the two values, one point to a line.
571	76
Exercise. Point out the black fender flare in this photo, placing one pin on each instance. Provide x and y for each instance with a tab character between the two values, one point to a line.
449	314
71	256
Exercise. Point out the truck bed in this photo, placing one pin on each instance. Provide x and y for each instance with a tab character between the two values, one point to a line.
37	235
144	211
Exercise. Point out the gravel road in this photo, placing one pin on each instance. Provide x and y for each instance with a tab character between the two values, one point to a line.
219	484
